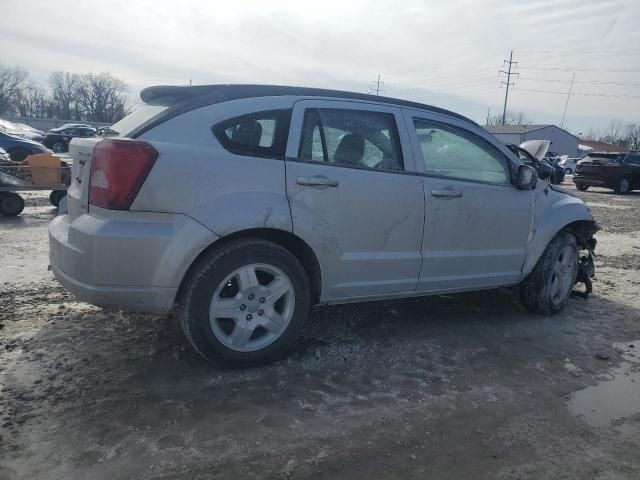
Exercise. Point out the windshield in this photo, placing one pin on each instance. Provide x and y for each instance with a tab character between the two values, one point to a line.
141	115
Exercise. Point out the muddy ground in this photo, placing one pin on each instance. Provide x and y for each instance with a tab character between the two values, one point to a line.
451	387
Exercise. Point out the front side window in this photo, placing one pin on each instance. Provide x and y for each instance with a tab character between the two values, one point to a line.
261	134
354	138
454	152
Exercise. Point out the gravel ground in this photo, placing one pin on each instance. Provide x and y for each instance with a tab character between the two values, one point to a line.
447	387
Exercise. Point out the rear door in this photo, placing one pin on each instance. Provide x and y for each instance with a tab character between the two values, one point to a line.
355	197
477	223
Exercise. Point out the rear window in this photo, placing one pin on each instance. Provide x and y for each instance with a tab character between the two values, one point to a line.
259	134
137	118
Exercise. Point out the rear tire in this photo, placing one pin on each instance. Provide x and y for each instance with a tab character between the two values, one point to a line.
623	186
568	171
11	204
55	197
59	147
548	287
582	187
237	319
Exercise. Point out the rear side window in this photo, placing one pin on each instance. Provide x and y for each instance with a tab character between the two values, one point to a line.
260	134
356	138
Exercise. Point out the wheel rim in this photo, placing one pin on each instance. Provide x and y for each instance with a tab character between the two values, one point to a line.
624	185
252	307
563	274
58	148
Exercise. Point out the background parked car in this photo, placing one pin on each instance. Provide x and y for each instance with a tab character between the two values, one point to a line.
21	130
569	164
618	171
19	148
57	139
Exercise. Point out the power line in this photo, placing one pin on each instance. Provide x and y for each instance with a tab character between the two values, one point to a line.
591	82
585	94
508	83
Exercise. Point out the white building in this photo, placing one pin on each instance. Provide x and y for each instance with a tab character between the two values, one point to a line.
562	142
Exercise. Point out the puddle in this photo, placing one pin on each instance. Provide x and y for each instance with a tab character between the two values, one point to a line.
615	397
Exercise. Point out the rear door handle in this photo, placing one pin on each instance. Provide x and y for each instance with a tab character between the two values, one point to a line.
446	193
317	181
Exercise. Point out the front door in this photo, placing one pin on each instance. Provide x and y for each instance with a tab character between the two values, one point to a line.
352	197
477	223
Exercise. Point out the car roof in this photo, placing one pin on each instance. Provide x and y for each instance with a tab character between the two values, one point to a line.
191	97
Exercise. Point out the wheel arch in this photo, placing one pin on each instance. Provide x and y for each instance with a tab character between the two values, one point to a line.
582	227
287	240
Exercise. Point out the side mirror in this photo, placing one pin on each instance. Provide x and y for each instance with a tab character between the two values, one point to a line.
527	177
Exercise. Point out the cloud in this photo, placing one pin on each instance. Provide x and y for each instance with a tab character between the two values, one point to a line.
445	53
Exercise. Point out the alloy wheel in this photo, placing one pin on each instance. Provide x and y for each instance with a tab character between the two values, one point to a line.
252	307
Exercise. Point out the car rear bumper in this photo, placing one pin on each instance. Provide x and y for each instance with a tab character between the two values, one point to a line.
134	262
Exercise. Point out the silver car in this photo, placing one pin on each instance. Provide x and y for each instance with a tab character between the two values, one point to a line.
243	206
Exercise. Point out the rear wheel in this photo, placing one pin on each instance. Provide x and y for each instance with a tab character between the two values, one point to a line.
59	147
582	187
568	171
244	304
11	204
623	186
548	287
55	197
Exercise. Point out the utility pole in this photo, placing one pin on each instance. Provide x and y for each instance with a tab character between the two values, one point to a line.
488	115
508	83
376	86
568	97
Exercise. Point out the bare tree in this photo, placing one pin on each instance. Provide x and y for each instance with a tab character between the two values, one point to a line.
632	134
32	101
511	118
64	89
10	80
102	98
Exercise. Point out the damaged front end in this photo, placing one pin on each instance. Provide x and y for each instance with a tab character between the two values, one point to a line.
586	268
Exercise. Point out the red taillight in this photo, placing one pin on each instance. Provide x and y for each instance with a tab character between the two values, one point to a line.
119	167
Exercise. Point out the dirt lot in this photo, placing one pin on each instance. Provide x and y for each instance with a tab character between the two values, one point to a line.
462	387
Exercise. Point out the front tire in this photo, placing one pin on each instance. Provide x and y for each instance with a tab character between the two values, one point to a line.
59	147
548	287
244	303
582	187
568	171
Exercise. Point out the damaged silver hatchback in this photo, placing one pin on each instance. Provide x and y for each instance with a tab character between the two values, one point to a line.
242	206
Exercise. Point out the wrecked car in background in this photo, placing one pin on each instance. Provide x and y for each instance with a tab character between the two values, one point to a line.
534	153
243	206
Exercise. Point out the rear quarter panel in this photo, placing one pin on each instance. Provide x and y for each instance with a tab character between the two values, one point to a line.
196	176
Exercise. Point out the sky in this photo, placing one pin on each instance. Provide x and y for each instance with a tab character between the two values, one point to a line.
444	53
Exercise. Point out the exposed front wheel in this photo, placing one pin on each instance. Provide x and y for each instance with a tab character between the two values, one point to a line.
11	204
59	147
548	287
582	187
568	171
245	303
